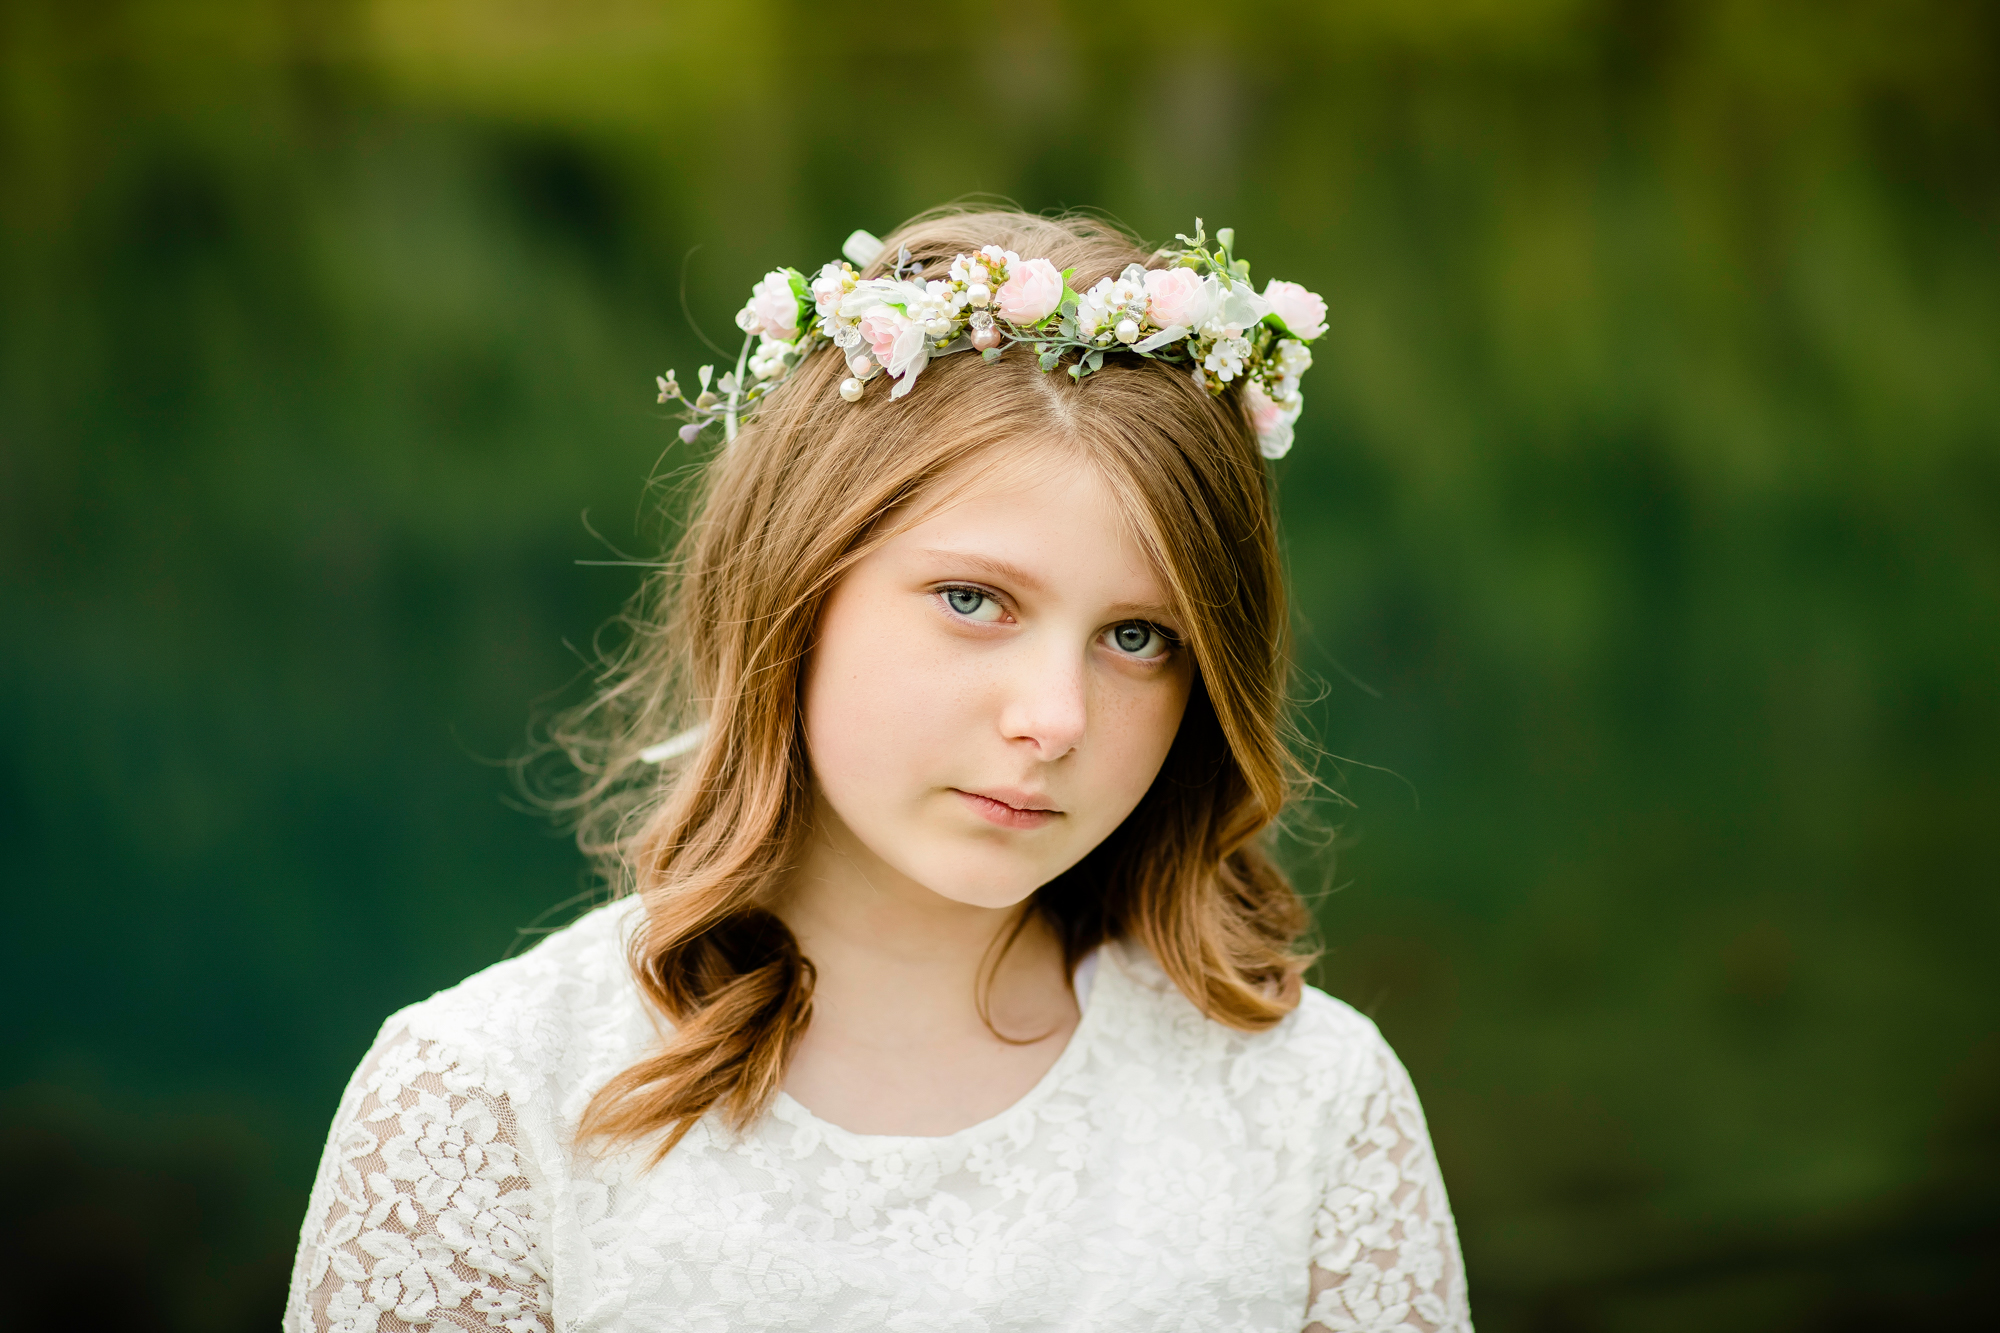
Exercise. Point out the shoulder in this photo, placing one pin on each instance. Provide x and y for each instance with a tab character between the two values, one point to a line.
544	1023
1323	1025
1324	1051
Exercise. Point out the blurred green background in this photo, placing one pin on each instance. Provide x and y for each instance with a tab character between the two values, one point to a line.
1645	524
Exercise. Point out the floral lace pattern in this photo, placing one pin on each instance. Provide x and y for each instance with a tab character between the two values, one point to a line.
1385	1252
1166	1174
424	1216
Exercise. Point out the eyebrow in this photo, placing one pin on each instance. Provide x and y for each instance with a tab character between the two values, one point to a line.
1005	571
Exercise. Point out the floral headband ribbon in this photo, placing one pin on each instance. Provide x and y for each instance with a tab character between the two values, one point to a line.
1198	311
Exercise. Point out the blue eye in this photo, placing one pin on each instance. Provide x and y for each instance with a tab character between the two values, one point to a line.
972	603
1138	638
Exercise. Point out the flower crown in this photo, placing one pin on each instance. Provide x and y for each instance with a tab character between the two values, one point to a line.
1198	310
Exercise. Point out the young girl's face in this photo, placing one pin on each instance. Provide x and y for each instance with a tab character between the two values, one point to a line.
994	687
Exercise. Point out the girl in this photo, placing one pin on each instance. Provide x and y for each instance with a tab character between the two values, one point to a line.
951	987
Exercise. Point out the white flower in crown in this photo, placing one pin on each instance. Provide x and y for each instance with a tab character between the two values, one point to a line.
977	276
1226	356
773	310
1294	358
1115	309
832	282
768	361
934	309
1236	309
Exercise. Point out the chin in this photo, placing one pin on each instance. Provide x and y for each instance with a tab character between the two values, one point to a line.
977	882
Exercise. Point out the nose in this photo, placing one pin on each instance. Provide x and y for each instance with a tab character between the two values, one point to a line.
1047	705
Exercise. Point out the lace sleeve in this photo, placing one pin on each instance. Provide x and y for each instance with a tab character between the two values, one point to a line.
1385	1252
422	1216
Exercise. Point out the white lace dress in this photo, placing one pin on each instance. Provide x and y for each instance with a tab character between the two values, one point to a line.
1168	1173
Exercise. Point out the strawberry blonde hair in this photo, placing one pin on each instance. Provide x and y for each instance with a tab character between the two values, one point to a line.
719	638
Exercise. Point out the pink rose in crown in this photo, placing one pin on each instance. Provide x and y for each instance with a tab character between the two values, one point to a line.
1265	415
881	326
1031	293
773	310
1176	296
1271	420
1304	312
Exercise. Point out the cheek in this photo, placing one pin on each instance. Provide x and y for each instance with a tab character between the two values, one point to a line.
879	700
1137	729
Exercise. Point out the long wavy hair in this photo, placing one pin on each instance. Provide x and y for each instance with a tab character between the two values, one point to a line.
719	636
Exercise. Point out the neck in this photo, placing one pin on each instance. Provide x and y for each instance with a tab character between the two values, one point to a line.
898	958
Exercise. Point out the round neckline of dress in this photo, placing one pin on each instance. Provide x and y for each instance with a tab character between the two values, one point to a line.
790	1108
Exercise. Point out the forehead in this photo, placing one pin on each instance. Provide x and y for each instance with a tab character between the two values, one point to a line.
1043	504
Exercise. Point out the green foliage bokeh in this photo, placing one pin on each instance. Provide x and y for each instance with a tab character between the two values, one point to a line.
1644	523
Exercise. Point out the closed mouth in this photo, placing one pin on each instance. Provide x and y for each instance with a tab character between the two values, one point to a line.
1011	809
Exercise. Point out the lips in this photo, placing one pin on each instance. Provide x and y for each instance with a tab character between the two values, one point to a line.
1009	808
